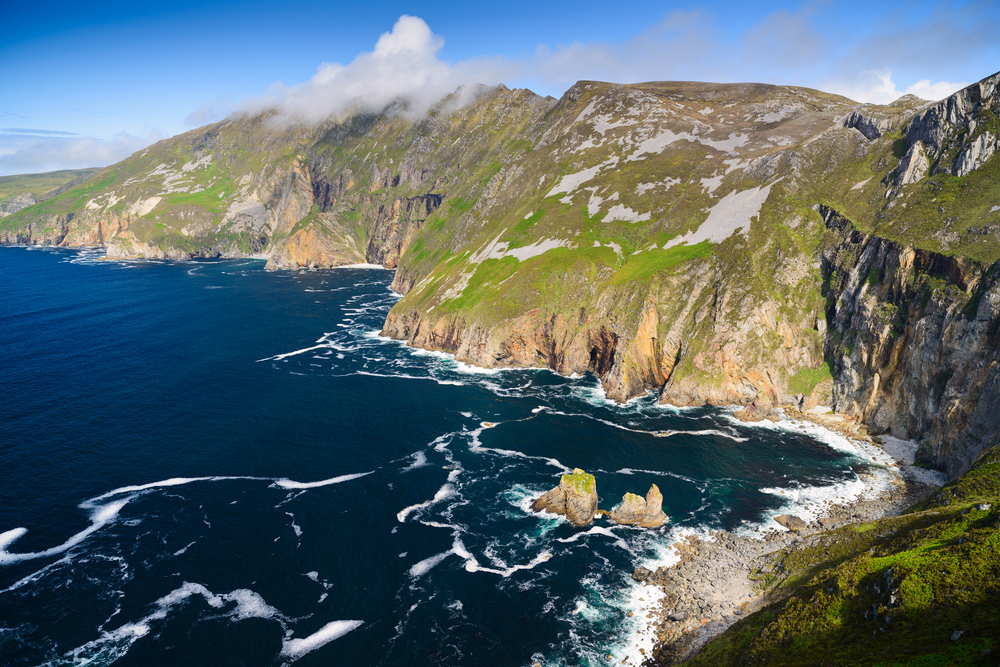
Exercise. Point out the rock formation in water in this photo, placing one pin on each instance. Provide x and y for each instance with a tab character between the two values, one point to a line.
646	512
575	498
717	243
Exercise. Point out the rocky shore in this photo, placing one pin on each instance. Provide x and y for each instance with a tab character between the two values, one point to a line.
719	579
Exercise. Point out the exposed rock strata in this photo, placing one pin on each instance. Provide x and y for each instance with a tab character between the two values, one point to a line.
575	498
646	512
914	343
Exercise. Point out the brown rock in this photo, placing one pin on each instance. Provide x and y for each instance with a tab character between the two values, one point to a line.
647	512
791	522
575	498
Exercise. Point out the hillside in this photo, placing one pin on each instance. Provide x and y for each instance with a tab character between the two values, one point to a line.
23	190
718	243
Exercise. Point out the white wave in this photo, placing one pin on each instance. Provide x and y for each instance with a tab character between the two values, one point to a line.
446	491
100	517
289	484
419	461
115	643
296	648
184	550
423	567
173	481
707	431
596	530
103	514
472	564
362	266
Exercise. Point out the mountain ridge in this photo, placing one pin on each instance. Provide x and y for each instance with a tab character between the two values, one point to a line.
676	237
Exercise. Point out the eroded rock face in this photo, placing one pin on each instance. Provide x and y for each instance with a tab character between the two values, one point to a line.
575	498
646	512
914	345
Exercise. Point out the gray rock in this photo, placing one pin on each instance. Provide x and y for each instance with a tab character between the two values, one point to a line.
955	635
678	616
641	574
975	154
791	522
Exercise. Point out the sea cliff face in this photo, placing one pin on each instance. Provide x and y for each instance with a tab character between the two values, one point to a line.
683	238
914	343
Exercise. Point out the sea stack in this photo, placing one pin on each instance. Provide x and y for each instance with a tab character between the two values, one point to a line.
575	498
634	509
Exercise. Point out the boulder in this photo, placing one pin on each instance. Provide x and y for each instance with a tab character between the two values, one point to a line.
678	616
575	498
791	522
641	574
634	509
757	411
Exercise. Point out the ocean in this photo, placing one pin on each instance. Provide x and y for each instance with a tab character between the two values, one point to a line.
205	463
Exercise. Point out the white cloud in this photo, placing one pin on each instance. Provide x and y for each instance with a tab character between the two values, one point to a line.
806	47
28	154
877	87
404	64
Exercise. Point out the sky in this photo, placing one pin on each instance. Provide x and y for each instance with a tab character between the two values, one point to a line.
87	84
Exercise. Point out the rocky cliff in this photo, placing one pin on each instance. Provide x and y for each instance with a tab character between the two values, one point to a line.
716	243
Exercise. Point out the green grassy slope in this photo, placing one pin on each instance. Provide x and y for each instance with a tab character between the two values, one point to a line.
889	592
39	184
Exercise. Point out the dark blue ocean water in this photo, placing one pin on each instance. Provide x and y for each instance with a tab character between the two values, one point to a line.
204	463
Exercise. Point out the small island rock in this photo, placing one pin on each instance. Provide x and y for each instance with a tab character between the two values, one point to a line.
575	498
647	512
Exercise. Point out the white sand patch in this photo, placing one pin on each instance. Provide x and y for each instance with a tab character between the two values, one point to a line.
614	246
711	184
905	453
657	143
735	140
667	183
144	206
780	113
734	163
197	164
570	182
730	215
586	112
537	248
625	214
858	186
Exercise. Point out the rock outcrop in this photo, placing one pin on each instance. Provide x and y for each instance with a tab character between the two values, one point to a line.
791	522
646	512
914	343
575	498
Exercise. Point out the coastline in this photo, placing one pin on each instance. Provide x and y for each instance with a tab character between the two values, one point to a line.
710	584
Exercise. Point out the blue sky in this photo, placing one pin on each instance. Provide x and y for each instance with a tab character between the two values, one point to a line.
87	84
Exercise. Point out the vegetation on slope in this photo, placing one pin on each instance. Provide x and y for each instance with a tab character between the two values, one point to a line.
922	588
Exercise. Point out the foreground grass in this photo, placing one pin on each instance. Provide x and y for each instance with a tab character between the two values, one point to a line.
897	591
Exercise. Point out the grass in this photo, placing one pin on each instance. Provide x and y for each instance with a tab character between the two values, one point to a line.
580	481
886	592
807	379
39	184
650	262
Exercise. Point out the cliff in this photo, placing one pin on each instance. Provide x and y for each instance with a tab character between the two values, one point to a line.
716	243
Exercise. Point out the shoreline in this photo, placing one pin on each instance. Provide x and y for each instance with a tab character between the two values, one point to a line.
710	586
